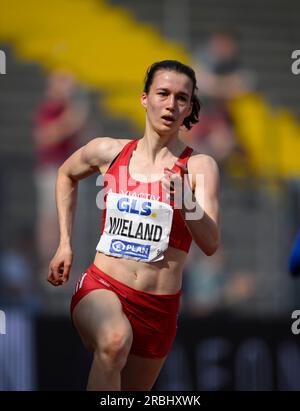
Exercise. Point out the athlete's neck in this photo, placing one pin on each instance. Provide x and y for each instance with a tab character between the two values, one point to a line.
159	148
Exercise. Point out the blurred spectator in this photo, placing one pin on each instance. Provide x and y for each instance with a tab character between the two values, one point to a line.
59	124
204	281
214	134
17	286
241	291
19	301
219	70
211	287
220	77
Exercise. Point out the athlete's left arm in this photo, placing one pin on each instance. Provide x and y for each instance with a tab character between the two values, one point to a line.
205	195
200	203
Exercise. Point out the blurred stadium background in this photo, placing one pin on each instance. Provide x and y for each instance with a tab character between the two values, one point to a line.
235	323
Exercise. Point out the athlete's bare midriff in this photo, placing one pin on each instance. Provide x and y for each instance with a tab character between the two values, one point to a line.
161	277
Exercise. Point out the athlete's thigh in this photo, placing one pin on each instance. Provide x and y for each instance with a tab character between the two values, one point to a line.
140	373
98	315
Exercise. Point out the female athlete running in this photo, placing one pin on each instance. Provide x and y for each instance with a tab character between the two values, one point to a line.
125	305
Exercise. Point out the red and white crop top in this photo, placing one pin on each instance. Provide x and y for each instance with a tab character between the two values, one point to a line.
138	220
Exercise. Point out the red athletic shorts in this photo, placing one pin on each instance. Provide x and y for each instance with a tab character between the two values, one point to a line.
153	318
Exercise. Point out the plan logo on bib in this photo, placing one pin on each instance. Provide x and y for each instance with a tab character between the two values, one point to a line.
128	248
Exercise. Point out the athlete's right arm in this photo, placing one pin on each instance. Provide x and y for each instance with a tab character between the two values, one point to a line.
84	162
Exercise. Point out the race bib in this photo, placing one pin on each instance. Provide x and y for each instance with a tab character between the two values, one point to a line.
135	228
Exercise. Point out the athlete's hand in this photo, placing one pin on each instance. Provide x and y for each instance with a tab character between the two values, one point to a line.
176	183
60	265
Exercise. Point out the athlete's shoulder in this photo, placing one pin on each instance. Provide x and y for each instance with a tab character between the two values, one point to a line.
199	161
107	144
102	150
207	167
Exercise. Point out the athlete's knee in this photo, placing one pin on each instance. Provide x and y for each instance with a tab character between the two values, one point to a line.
113	348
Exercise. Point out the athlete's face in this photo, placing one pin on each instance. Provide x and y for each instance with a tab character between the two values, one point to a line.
168	101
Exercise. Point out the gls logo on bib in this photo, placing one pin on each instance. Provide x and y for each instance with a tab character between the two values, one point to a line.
129	205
